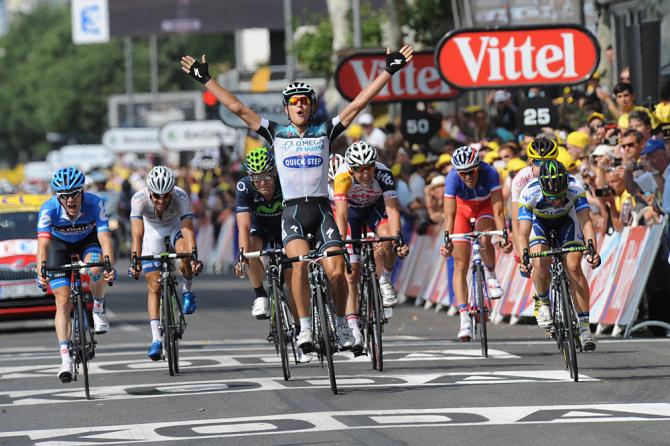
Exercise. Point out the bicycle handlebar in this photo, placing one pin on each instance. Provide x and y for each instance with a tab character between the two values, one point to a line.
263	253
314	256
70	267
164	256
589	248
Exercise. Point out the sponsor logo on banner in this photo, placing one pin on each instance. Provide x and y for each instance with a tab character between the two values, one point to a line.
304	161
418	81
518	56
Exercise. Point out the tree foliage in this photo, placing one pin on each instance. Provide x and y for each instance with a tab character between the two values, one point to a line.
48	84
430	19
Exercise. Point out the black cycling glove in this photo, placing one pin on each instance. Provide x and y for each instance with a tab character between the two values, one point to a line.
200	72
394	62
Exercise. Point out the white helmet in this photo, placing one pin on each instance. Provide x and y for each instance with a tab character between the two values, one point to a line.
360	153
160	180
334	163
297	88
465	158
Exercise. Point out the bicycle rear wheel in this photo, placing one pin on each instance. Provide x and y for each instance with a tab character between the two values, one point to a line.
326	337
376	313
478	285
570	333
79	334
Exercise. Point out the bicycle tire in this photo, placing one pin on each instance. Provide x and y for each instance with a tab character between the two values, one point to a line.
367	321
478	284
79	332
377	317
326	337
167	328
569	331
281	327
176	326
557	325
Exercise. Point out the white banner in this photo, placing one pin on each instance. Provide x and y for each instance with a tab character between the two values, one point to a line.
195	135
144	139
86	156
90	21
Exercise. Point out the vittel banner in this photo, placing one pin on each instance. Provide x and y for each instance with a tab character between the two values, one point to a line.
418	81
517	57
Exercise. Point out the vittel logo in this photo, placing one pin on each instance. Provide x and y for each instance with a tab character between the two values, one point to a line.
512	57
299	162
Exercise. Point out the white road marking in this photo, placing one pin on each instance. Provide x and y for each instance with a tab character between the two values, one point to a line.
311	422
75	393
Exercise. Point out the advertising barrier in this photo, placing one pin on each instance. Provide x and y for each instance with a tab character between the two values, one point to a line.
616	286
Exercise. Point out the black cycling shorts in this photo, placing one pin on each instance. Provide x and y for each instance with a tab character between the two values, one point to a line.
60	253
310	216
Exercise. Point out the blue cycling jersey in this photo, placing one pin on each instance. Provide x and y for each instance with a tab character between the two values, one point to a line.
54	221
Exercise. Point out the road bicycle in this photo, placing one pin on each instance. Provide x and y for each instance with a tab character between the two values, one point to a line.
479	302
565	328
82	338
371	307
282	326
172	321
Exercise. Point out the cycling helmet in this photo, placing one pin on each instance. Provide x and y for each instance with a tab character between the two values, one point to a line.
465	158
542	148
360	153
297	88
160	180
259	160
553	179
334	163
67	179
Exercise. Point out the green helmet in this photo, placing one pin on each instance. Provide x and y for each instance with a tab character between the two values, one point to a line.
259	160
553	179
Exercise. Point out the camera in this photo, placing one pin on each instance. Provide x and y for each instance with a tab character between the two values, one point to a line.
617	161
603	192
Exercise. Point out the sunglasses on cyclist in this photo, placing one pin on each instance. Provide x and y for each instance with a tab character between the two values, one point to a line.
65	195
295	100
538	163
259	178
368	168
159	196
467	173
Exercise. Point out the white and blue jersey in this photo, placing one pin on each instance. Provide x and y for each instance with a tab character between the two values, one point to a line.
302	161
54	221
535	207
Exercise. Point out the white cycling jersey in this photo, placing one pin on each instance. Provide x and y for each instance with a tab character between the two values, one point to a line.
157	228
520	180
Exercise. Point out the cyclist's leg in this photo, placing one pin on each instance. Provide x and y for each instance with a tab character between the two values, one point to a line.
352	308
59	254
295	244
261	307
461	254
540	274
177	240
93	253
152	277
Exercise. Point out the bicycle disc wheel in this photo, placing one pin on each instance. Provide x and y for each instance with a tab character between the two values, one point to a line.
481	304
570	331
377	314
281	326
326	337
81	341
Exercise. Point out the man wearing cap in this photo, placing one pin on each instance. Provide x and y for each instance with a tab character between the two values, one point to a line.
443	164
656	156
371	134
434	197
576	143
505	112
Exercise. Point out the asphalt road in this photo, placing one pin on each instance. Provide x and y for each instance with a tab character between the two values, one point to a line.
434	390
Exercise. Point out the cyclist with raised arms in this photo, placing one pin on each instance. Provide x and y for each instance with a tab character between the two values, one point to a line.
555	200
472	190
365	194
73	222
157	211
301	152
258	209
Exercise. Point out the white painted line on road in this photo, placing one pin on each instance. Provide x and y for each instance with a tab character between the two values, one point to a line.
311	422
197	362
74	393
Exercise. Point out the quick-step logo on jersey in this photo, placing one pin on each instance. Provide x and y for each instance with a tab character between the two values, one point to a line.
303	161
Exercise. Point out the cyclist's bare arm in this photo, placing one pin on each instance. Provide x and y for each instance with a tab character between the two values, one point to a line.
515	225
498	209
393	213
349	113
105	239
225	97
188	233
341	217
243	230
137	233
449	214
525	226
42	254
584	218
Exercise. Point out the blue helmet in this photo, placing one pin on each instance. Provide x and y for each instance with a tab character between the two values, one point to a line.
67	179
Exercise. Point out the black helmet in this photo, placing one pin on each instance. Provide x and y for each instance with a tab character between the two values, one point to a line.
553	179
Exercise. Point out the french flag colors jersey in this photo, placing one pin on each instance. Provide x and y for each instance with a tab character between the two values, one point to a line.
532	203
302	160
489	181
54	221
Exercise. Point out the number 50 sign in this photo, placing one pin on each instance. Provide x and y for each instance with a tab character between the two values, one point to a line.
536	113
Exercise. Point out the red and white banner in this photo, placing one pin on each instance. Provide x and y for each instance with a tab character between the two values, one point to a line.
418	81
514	57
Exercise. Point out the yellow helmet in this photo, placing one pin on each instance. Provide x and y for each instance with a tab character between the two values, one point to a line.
542	148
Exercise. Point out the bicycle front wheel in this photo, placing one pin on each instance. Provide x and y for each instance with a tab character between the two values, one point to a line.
570	331
326	337
478	285
81	342
281	327
168	328
376	313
